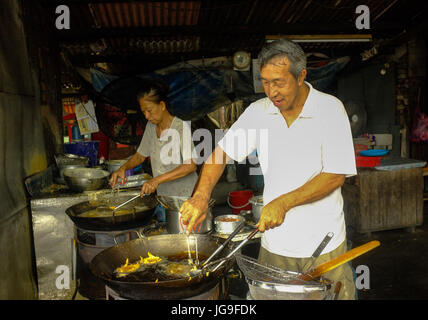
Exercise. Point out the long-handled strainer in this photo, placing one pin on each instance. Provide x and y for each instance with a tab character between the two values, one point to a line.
256	271
125	203
110	209
252	268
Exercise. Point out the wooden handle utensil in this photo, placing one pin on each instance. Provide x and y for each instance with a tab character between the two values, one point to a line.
336	262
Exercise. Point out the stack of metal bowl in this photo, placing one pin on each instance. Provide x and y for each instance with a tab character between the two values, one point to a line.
69	161
86	179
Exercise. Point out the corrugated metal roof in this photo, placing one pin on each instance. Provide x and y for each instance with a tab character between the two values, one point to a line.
150	27
145	14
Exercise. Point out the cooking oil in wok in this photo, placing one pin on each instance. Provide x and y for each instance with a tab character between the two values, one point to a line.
104	212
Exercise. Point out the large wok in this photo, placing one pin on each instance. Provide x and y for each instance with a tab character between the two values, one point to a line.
139	211
104	264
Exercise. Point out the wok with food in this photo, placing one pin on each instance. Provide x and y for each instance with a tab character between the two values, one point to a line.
167	273
99	214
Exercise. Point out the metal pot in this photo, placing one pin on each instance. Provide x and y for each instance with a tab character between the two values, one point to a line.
85	179
114	165
173	217
104	264
257	206
227	223
264	290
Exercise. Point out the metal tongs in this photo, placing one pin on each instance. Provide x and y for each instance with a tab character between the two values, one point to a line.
190	259
231	236
221	261
249	237
217	263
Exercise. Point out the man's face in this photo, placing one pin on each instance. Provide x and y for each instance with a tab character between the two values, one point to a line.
279	84
152	111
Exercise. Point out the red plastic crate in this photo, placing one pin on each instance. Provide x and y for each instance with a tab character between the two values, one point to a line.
367	161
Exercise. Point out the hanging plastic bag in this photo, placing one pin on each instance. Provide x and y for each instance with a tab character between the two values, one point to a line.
420	125
420	128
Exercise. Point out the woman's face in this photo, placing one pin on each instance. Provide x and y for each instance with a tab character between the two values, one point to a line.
153	112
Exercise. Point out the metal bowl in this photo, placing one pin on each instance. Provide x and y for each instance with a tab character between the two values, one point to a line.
69	161
65	167
226	224
85	179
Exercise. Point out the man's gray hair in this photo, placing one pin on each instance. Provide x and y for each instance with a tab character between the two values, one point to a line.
284	48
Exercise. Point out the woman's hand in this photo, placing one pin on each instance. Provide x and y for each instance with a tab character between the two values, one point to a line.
273	214
149	186
115	175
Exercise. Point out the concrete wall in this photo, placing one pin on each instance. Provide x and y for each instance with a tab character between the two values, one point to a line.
22	153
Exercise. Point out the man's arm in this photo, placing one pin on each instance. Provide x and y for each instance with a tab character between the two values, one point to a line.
273	214
193	211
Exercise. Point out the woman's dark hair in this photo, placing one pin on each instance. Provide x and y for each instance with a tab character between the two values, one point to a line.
155	90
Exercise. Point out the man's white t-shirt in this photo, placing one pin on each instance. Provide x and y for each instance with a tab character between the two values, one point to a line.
319	140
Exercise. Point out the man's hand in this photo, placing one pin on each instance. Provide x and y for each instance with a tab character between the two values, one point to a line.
273	214
193	212
149	186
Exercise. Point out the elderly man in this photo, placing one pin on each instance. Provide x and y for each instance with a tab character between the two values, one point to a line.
305	149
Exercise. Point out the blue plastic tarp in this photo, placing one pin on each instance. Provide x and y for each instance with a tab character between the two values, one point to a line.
195	92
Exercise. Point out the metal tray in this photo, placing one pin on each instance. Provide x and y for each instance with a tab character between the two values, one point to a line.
134	181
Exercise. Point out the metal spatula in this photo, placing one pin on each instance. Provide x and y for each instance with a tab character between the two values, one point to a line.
318	251
343	258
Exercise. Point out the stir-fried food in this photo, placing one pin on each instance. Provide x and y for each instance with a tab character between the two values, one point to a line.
158	268
127	268
151	259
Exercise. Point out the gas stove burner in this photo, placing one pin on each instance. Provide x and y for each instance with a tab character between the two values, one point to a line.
88	244
212	294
